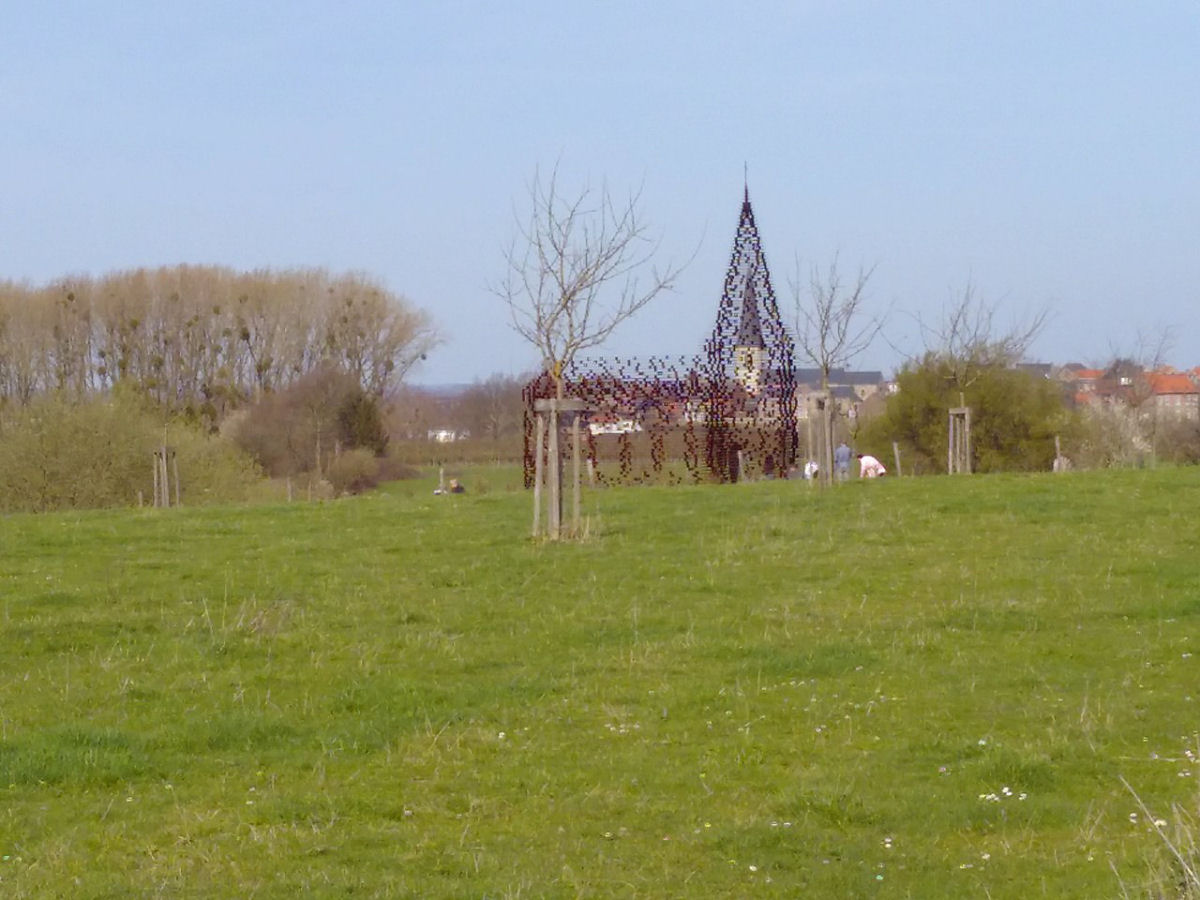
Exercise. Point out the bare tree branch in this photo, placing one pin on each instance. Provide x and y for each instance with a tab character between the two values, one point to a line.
578	267
830	326
968	338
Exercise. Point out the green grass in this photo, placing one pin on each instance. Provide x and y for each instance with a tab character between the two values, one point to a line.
909	688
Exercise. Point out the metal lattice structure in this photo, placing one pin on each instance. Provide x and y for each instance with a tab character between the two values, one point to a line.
722	415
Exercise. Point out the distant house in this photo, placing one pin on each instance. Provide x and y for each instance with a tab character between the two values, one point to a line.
1162	392
848	389
1037	370
1081	383
446	435
1175	395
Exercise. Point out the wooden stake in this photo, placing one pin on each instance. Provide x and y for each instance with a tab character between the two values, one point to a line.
554	459
539	472
576	475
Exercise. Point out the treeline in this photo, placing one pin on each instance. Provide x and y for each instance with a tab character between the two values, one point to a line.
203	339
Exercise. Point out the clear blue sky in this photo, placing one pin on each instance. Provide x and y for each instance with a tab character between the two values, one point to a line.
1047	153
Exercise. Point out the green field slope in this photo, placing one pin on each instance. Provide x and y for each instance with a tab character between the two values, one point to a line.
910	688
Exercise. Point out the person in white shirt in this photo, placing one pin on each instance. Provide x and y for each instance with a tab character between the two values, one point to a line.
869	466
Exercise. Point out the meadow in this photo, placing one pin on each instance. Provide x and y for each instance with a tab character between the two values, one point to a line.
921	687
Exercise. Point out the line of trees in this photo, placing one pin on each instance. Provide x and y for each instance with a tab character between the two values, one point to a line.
204	339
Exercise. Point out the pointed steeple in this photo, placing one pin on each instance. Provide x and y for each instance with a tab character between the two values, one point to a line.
749	325
750	344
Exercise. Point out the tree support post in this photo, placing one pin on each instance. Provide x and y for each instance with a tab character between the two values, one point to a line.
576	476
165	463
548	465
958	451
539	470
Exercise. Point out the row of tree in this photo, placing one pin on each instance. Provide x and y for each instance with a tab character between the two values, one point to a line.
204	338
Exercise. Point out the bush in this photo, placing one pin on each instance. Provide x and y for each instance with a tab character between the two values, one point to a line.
303	427
354	471
1014	419
61	454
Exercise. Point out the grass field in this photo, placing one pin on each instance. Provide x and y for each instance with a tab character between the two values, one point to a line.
910	688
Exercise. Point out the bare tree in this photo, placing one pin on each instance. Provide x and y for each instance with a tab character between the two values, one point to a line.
1129	380
204	338
968	338
832	328
581	264
491	409
965	345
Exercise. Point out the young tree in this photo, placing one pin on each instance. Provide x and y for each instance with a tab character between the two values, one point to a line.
968	338
832	328
580	264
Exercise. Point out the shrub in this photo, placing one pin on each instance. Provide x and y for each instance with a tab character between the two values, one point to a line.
354	471
303	427
57	453
1014	418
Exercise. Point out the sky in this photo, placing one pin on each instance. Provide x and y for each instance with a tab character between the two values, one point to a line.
1044	155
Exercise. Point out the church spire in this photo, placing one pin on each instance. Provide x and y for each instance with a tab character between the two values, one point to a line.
749	325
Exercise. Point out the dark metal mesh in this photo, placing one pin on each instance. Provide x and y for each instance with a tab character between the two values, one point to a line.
723	415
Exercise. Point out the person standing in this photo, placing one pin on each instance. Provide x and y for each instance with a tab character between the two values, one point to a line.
841	461
869	466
